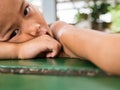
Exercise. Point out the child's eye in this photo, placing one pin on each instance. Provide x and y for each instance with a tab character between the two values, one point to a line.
14	33
26	11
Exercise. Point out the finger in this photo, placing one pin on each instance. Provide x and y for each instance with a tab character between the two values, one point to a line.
52	54
49	55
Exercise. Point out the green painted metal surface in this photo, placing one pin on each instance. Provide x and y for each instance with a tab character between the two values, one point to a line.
9	80
58	66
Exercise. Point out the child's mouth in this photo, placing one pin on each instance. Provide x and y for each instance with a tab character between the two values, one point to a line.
44	32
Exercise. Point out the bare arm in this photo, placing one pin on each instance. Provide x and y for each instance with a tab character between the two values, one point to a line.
100	48
8	50
43	44
30	49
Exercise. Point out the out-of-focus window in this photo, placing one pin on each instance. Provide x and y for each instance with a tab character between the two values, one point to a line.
36	3
95	14
67	9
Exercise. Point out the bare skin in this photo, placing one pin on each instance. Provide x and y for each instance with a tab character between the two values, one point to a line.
101	48
23	28
25	34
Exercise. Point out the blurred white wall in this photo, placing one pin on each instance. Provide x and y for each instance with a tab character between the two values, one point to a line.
49	10
48	7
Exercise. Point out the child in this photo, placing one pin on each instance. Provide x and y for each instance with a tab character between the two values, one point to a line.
24	34
103	49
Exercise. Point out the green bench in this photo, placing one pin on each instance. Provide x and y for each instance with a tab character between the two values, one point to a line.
54	74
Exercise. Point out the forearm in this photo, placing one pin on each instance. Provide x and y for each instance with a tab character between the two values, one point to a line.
84	43
8	50
76	42
100	48
109	54
103	50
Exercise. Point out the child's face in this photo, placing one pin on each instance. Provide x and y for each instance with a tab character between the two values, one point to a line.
20	22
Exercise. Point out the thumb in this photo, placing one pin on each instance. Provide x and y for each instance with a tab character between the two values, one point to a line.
54	51
51	54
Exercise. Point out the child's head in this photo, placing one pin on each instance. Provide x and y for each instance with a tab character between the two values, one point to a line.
19	21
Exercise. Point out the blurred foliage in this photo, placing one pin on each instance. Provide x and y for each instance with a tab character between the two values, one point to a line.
98	9
115	12
80	16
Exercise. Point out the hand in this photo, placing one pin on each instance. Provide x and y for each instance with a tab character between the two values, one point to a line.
35	47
